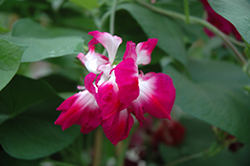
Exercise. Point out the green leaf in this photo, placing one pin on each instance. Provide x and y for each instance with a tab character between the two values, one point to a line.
224	158
157	26
237	12
79	22
55	82
3	117
69	66
56	4
196	8
31	138
10	57
45	42
22	93
29	132
39	49
30	29
108	150
198	137
215	94
7	160
87	4
3	29
247	49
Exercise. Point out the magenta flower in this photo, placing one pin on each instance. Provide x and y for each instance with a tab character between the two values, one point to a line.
115	94
219	22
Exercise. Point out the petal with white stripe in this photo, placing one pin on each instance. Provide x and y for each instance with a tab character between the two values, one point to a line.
144	50
119	130
111	43
157	95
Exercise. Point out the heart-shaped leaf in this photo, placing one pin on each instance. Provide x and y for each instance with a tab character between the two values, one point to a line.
215	94
237	12
28	111
39	49
167	32
10	58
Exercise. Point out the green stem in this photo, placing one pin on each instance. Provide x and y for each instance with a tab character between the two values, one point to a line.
112	18
184	159
214	149
236	42
98	147
186	10
124	145
110	13
121	151
79	149
195	20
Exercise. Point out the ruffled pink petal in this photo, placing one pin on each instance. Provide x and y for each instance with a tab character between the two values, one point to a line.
69	114
88	82
157	95
106	70
92	60
91	113
80	109
130	51
111	43
93	42
144	50
67	103
136	109
86	129
107	97
119	130
126	73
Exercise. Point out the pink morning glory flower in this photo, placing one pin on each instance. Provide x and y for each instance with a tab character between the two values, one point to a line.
116	94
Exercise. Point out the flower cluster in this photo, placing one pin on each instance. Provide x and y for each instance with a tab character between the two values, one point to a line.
219	22
113	93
